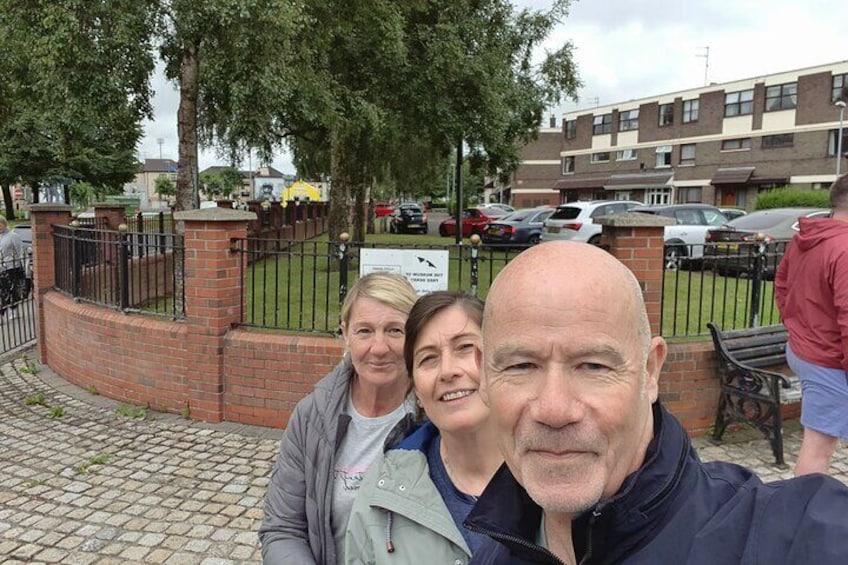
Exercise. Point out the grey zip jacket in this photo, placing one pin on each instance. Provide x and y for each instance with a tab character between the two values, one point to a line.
297	526
399	517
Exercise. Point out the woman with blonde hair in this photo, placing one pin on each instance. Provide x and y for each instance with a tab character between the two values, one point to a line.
341	427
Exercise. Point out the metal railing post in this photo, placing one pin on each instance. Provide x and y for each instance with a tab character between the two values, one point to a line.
343	266
124	267
76	260
475	269
757	279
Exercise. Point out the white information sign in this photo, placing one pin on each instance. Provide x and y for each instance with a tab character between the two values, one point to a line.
426	269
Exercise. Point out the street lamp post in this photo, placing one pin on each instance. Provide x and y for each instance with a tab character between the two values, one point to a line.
841	105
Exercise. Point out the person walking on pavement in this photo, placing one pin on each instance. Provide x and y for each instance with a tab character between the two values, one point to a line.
343	425
811	290
12	276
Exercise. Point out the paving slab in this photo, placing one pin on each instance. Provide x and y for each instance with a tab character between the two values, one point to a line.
92	486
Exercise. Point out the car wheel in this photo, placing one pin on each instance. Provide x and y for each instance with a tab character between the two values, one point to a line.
674	257
534	239
443	231
594	240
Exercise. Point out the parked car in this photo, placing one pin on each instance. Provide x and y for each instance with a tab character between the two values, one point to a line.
24	231
733	248
474	220
382	209
408	218
574	221
522	227
496	209
732	213
684	241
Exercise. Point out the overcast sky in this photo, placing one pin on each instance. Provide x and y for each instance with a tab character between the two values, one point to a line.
627	49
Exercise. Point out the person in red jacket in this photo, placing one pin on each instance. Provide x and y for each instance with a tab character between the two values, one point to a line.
811	289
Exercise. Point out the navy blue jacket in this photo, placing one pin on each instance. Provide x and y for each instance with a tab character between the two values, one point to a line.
676	509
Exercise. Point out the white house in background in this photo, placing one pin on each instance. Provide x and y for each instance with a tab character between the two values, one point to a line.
143	186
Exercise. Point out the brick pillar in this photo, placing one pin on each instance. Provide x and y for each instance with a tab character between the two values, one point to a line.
212	293
42	218
637	241
115	215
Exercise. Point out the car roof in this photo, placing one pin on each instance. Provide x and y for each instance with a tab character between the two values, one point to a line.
676	207
588	203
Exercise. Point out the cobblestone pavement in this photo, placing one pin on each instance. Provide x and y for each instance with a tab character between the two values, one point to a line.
92	486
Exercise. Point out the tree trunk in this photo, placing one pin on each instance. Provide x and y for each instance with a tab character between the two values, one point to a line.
7	200
187	130
338	216
359	210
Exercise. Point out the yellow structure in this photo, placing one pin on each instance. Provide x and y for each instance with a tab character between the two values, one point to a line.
302	190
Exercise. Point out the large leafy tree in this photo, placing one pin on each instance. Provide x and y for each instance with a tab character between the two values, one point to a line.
75	88
232	62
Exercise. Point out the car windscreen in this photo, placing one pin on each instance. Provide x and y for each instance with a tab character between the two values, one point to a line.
758	221
513	217
565	213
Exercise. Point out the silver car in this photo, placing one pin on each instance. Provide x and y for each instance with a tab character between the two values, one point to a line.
574	221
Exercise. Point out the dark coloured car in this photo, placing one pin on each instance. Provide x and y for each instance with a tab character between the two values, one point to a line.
732	249
474	220
408	218
521	227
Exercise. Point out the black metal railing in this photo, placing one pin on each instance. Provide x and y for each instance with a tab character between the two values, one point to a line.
17	307
122	270
300	285
730	284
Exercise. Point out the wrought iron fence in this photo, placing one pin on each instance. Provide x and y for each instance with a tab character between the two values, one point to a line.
122	270
730	284
17	307
300	285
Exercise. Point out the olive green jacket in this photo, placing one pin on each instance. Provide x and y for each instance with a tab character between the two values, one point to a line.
398	504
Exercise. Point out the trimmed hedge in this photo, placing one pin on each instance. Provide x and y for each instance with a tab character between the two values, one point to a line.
791	197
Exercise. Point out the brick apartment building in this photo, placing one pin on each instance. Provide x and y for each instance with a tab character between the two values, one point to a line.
720	144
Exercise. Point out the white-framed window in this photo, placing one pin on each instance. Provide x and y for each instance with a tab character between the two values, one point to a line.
779	140
690	111
781	97
570	129
663	156
568	164
666	114
625	155
621	195
628	120
738	103
840	88
687	154
602	124
600	157
738	144
656	196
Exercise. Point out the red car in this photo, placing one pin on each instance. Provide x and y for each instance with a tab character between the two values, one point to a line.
474	221
382	209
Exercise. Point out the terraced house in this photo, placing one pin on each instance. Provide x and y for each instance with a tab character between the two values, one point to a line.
720	144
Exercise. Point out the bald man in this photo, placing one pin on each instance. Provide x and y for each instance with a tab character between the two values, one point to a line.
596	471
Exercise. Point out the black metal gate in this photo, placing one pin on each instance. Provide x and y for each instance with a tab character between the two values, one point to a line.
17	320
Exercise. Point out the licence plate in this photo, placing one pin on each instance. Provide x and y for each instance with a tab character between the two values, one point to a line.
553	229
492	231
413	226
727	247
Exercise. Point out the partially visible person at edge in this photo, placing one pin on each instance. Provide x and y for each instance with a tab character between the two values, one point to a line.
597	471
811	290
341	427
413	501
12	275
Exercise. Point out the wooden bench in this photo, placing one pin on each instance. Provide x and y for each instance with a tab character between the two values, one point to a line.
750	393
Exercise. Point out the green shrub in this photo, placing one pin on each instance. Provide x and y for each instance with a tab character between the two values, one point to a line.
791	197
